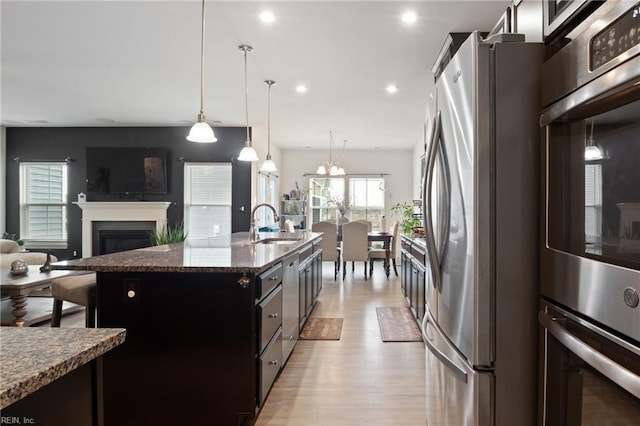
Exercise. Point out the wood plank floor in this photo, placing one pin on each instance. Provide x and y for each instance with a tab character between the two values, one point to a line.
358	380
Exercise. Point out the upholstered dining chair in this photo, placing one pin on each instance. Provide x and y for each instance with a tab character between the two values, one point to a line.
380	253
330	249
355	245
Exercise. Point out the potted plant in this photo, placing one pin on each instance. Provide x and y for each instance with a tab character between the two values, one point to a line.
168	235
406	220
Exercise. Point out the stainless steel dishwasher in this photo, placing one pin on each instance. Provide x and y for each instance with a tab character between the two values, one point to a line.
290	303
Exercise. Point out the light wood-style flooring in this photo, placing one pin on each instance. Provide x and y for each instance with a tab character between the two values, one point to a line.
356	381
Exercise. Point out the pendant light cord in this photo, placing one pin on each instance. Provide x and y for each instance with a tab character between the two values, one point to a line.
246	91
202	62
269	82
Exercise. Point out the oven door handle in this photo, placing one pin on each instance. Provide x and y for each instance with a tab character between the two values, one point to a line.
606	366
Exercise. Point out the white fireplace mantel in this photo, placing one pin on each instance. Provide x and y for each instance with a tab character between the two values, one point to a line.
96	211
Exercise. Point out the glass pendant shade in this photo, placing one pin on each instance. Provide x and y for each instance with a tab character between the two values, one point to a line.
268	166
592	153
248	154
201	132
321	170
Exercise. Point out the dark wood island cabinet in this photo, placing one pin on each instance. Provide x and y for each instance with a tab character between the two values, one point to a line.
204	325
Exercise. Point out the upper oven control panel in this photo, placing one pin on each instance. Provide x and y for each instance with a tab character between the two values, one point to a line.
615	39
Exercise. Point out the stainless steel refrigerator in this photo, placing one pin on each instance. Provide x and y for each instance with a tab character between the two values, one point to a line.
481	213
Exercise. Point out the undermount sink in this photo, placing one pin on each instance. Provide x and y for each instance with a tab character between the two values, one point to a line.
278	241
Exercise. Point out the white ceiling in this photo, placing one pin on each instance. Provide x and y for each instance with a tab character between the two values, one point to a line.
130	63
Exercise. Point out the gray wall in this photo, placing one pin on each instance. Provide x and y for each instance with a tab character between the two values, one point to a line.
31	144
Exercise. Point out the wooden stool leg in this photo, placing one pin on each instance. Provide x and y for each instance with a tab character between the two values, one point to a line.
56	315
90	318
395	269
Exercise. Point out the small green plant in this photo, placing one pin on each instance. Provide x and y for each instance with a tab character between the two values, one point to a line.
168	235
406	220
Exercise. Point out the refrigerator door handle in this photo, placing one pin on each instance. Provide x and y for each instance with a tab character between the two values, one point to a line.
609	368
458	372
430	239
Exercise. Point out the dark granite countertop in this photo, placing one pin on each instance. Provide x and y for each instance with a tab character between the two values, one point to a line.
33	357
229	253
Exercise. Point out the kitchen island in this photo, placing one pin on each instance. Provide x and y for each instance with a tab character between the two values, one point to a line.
209	324
48	375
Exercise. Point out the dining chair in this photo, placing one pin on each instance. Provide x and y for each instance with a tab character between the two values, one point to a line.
366	222
380	253
330	249
355	245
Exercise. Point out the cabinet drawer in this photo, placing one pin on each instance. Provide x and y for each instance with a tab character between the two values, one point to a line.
305	252
269	280
270	314
270	363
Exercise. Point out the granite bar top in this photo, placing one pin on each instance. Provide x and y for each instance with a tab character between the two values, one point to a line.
33	357
228	253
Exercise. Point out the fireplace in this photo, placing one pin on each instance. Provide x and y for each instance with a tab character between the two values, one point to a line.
115	236
120	216
116	240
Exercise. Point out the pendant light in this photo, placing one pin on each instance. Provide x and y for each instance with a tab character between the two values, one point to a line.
269	166
201	131
592	152
247	153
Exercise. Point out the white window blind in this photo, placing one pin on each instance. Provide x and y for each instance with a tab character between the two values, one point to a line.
43	204
207	199
593	202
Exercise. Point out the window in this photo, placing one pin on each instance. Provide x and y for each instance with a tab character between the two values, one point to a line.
267	193
43	204
593	207
321	192
207	199
365	195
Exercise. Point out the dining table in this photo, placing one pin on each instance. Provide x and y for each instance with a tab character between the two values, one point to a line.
18	288
385	238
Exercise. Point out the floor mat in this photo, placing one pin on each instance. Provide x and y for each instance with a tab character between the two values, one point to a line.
322	329
398	325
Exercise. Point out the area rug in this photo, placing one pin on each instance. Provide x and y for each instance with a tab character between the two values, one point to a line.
322	329
398	325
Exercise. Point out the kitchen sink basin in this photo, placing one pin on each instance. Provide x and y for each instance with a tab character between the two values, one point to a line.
278	241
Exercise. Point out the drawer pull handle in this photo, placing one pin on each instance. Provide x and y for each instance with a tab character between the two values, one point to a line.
273	315
274	362
274	278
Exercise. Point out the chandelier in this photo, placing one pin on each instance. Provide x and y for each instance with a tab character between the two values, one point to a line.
331	168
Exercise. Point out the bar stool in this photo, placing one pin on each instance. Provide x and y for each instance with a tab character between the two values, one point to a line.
78	289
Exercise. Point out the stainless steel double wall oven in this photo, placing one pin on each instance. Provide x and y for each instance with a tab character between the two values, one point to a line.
590	278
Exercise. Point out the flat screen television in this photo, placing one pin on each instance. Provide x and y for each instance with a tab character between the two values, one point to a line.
126	170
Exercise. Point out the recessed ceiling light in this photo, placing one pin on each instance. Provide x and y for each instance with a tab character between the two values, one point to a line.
301	88
267	16
409	17
392	88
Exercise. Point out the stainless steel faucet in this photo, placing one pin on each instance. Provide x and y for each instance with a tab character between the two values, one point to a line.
253	233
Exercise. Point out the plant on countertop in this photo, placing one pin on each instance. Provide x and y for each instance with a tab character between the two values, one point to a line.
168	235
406	220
